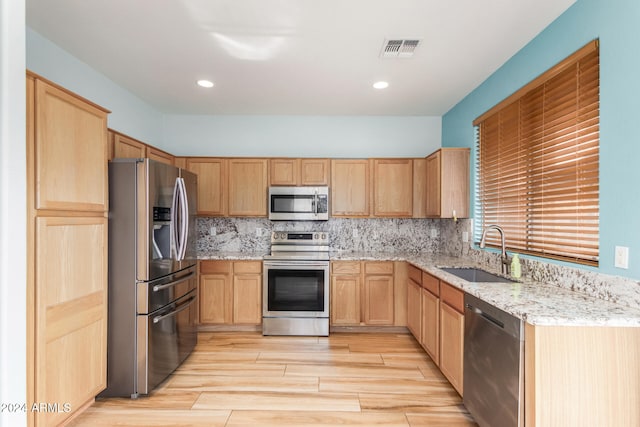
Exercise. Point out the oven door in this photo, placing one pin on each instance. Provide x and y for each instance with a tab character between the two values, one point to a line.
296	289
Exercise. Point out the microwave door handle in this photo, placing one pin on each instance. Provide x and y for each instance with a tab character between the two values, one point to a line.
315	203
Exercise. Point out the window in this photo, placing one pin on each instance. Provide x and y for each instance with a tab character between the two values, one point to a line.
538	157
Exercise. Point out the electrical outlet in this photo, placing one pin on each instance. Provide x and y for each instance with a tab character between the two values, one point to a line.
258	232
354	233
212	231
465	237
434	233
622	257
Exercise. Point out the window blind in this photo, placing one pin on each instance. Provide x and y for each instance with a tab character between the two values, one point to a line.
538	163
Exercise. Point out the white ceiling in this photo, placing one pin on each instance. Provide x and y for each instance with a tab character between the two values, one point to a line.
313	57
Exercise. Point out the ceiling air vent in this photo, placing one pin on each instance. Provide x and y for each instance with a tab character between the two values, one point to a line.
399	48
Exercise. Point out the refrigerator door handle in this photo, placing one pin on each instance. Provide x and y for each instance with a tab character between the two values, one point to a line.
176	311
174	230
183	279
184	219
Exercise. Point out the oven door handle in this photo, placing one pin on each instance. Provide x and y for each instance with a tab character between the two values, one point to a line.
294	264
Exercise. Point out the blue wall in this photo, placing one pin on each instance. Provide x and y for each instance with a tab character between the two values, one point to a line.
129	114
617	25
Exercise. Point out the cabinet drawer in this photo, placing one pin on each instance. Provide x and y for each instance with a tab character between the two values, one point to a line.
454	297
247	267
345	267
415	274
432	284
378	267
209	267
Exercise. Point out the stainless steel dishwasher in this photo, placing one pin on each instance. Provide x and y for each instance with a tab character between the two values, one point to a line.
493	365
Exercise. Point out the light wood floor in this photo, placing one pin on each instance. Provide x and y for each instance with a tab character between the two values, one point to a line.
245	379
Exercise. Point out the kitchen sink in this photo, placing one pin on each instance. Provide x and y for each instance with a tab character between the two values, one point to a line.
476	275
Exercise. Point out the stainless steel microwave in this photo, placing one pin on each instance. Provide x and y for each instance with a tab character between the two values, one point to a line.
299	203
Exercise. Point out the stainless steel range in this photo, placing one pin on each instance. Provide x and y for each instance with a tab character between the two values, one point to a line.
295	295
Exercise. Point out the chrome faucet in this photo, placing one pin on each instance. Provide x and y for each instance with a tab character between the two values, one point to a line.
506	262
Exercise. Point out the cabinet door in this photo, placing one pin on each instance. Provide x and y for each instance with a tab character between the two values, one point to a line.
247	299
452	345
454	194
393	187
430	338
350	188
433	185
215	297
414	309
248	187
212	185
419	188
215	293
70	312
345	300
70	152
378	300
159	155
314	172
283	171
128	148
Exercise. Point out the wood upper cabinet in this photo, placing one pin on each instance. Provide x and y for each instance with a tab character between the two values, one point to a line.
248	183
452	334
378	293
127	147
350	188
159	155
212	184
393	187
447	172
299	172
314	172
70	151
284	171
419	188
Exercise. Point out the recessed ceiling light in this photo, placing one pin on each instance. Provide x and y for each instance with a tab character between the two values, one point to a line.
205	83
381	85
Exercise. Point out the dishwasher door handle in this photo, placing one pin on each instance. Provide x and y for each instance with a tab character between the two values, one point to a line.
486	316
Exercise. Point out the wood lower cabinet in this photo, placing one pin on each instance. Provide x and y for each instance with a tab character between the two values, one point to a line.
414	308
212	184
67	152
247	292
452	334
447	173
430	334
582	376
230	292
393	187
362	293
346	284
248	183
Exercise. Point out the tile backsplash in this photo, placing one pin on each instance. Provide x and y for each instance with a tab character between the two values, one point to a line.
409	236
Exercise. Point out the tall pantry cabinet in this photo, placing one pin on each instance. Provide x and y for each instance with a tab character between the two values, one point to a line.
67	251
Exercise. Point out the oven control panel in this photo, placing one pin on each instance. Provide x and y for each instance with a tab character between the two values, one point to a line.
300	238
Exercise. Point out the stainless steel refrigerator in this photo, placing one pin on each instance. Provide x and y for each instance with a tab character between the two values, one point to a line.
152	274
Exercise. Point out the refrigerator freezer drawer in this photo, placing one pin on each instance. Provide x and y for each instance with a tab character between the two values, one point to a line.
165	338
158	293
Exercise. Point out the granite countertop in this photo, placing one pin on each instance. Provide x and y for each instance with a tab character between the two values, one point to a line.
534	302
